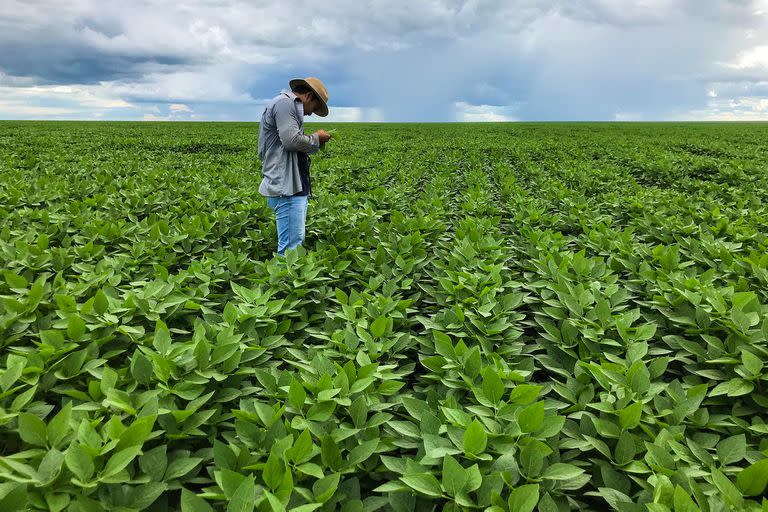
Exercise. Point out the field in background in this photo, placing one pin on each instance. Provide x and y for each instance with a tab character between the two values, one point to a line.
490	316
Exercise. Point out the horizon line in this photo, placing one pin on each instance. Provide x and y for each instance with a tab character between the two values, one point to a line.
191	121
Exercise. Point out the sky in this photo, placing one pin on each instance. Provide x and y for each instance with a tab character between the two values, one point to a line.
387	60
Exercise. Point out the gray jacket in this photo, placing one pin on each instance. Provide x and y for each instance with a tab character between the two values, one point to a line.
281	136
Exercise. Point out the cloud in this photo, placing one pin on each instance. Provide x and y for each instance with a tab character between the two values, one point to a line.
652	12
389	60
638	13
179	107
350	115
754	58
33	111
173	112
482	113
57	101
743	108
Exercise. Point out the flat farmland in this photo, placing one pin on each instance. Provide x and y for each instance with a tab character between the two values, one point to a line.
500	317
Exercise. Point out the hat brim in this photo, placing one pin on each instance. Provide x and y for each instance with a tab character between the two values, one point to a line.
323	112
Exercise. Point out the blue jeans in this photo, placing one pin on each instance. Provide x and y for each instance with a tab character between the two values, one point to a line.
291	216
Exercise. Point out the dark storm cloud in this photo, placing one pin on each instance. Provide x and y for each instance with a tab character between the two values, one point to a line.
407	61
52	57
50	63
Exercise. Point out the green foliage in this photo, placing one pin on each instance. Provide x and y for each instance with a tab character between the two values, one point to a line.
485	317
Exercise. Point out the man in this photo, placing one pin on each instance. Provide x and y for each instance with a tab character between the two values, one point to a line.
284	150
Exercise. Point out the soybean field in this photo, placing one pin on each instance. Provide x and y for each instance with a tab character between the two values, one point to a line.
496	317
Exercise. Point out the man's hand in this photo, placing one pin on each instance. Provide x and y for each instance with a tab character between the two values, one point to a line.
323	136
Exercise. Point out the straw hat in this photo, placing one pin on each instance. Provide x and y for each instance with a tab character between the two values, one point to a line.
319	89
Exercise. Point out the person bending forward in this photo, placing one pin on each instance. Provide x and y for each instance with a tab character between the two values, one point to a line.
284	152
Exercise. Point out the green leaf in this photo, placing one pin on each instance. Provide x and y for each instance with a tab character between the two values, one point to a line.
32	429
65	303
752	363
740	387
732	449
752	480
154	462
474	478
358	411
273	471
275	504
532	458
454	476
362	452
472	362
229	481
636	351
324	488
312	469
119	461
744	320
230	313
301	450
727	489
13	496
425	483
75	327
547	503
616	499
142	496
58	427
393	487
443	344
524	394
645	332
639	378
524	498
79	462
361	385
493	386
475	438
100	303
531	418
190	502
561	471
330	453
14	280
378	327
23	399
625	448
162	339
244	498
341	296
181	466
141	368
223	455
296	394
36	292
683	502
11	374
50	467
322	411
629	417
56	502
309	507
108	379
137	433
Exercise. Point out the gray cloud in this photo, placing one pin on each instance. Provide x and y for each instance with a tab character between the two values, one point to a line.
547	59
79	64
660	12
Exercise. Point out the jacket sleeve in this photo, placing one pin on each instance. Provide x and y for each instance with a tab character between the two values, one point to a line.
292	138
